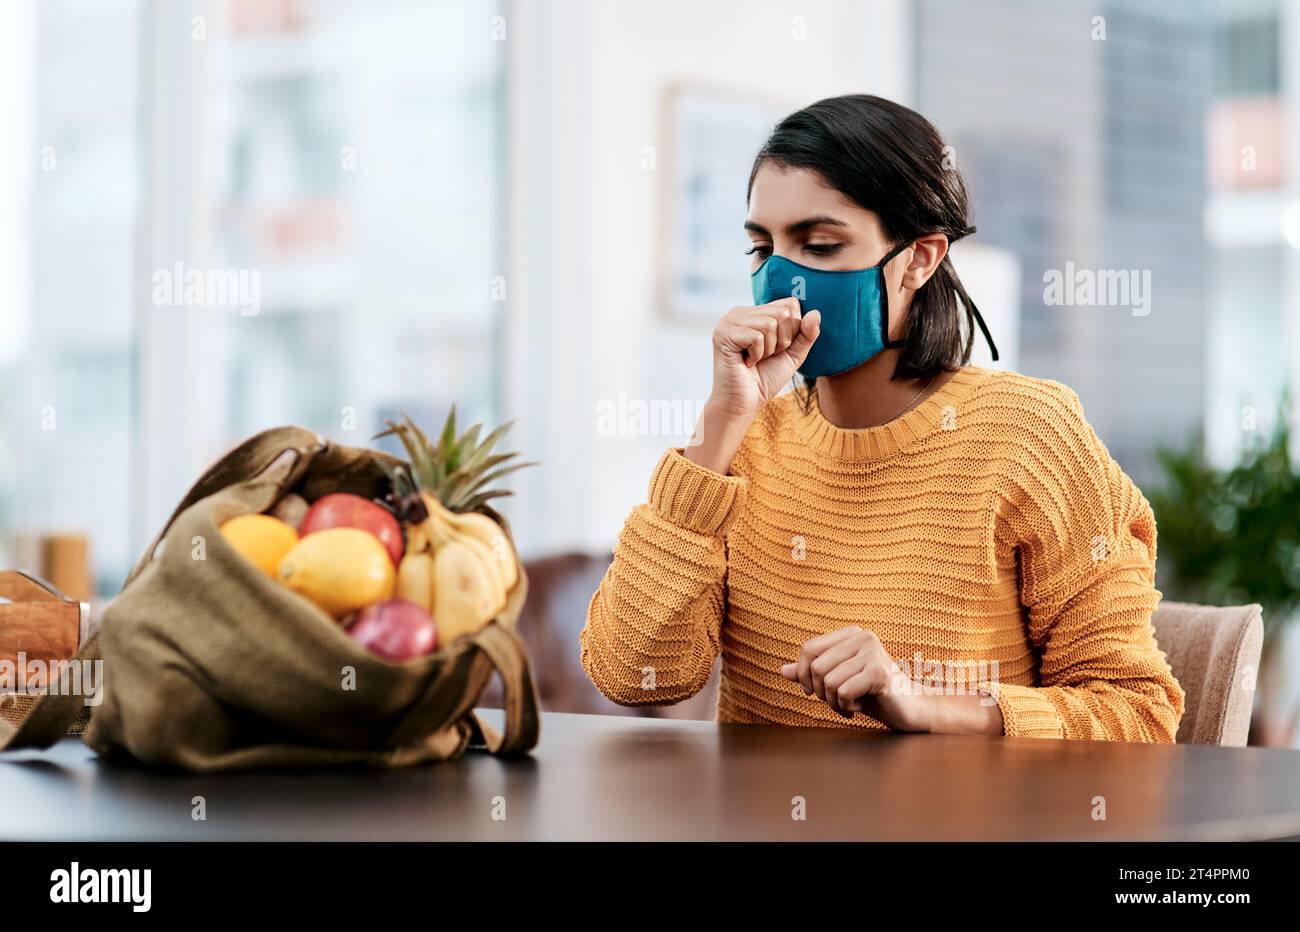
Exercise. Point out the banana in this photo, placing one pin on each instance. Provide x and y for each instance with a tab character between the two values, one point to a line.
417	541
466	593
415	580
469	583
489	566
490	534
443	523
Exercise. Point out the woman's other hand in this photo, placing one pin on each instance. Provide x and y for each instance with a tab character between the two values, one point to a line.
851	671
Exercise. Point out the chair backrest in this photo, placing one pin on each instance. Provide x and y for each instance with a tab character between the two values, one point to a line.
1214	654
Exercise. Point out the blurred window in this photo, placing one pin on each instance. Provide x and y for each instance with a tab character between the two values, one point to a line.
71	93
1246	57
340	160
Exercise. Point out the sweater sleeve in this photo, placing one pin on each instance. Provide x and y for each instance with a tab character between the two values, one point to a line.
1086	540
653	625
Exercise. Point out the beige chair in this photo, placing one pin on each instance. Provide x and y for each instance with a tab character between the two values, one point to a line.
1214	653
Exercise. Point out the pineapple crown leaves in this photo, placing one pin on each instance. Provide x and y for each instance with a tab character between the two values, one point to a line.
458	468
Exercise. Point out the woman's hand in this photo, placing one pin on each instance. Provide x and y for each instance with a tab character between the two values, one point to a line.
851	671
756	351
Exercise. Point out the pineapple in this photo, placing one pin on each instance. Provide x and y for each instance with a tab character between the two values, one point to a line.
462	565
457	469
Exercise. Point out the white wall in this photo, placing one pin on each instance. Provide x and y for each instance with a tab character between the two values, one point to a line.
585	93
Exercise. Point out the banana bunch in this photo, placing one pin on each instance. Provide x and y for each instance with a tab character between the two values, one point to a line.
459	563
458	566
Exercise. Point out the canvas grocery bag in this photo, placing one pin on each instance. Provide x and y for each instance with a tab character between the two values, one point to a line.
210	665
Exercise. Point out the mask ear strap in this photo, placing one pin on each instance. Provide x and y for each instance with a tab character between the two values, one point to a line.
884	298
988	338
973	313
889	256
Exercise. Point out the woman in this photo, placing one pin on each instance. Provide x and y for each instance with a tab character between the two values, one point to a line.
906	541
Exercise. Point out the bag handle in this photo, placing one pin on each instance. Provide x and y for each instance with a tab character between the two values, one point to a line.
281	454
523	724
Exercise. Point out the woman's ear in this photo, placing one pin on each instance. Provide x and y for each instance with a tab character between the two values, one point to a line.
927	252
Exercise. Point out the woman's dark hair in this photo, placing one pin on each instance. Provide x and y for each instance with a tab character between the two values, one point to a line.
892	161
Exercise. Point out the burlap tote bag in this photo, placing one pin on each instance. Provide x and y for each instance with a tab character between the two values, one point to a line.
210	665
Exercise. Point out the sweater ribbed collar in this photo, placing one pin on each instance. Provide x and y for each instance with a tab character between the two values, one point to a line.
863	444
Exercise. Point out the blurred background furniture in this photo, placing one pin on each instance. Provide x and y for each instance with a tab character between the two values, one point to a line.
61	559
39	625
1214	653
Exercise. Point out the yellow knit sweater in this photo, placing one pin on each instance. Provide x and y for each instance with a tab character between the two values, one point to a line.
987	526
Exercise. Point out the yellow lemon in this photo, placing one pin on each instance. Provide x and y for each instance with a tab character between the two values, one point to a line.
341	569
260	539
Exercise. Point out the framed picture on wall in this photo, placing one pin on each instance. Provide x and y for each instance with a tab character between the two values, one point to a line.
710	139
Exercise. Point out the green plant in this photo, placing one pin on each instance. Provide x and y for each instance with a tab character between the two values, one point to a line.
1232	536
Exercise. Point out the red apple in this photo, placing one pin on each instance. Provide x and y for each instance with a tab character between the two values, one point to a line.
343	510
395	630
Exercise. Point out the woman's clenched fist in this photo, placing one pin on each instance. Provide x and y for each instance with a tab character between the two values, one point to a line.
756	351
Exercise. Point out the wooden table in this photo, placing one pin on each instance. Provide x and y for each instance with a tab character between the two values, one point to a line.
611	777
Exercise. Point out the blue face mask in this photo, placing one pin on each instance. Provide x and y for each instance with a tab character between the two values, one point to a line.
854	308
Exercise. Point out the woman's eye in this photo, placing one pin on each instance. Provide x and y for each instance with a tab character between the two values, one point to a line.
823	249
758	249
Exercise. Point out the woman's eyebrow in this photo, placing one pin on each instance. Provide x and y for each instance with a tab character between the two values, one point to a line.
797	227
814	222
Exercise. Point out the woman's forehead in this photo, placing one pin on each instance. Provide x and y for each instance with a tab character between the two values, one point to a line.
783	196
